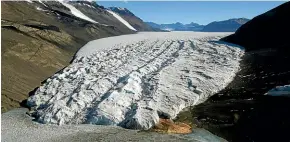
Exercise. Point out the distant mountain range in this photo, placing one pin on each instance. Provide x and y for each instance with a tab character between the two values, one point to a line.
230	25
177	26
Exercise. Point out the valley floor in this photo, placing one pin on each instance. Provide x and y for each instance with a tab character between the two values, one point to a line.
19	127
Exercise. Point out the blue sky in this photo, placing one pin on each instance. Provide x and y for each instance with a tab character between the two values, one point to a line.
193	11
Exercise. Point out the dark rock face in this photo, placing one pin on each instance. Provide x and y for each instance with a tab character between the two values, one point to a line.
268	30
133	20
241	112
230	25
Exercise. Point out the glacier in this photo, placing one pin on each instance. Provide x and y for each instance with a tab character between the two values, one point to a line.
133	80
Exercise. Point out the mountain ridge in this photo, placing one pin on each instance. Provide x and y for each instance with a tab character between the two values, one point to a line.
133	20
229	25
177	26
34	47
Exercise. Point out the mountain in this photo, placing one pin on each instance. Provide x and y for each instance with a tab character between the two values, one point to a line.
256	96
267	30
133	20
41	37
230	25
177	26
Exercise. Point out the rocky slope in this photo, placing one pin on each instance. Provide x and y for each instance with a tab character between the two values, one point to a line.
230	25
244	111
40	38
133	20
267	30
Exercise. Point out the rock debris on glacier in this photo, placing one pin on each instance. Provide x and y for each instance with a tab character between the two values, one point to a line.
133	83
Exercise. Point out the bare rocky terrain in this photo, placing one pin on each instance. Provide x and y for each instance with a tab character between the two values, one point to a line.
40	38
19	127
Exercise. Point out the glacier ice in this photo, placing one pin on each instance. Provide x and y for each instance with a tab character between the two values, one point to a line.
140	78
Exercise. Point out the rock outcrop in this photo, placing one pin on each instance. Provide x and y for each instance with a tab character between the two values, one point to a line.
230	25
267	30
168	126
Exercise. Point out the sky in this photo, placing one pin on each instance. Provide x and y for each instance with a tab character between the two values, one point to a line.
201	12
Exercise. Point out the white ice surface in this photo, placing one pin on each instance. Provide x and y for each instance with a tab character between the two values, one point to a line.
130	80
280	91
30	1
109	43
77	13
122	20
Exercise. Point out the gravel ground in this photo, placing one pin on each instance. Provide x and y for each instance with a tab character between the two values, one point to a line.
19	127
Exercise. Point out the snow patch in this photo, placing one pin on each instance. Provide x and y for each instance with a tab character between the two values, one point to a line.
122	20
88	5
120	8
280	91
40	9
77	13
40	1
30	1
